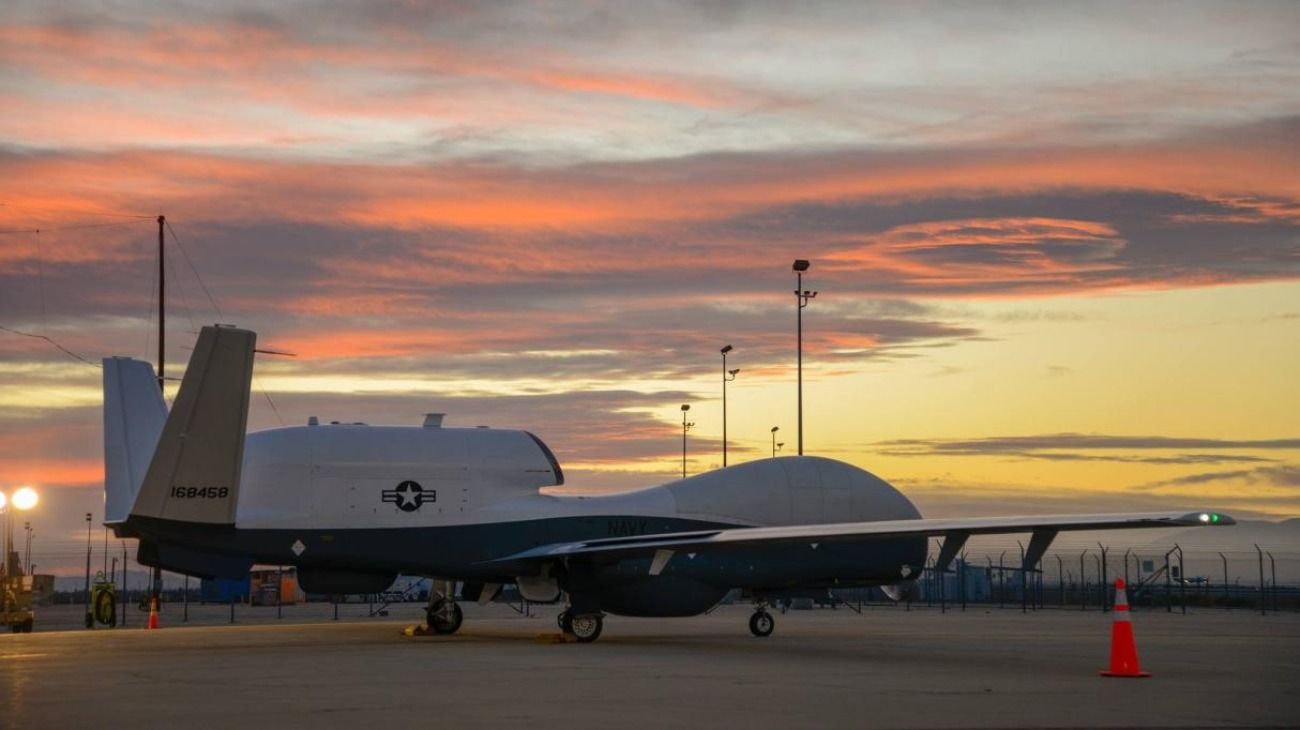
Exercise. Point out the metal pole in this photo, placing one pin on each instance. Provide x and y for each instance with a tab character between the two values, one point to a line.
1182	579
963	581
989	575
1083	587
725	350
1273	568
1002	582
1126	553
1105	603
1262	607
156	586
1024	592
162	298
124	583
799	302
927	573
279	588
943	580
1060	578
90	618
185	606
1169	586
801	298
1101	585
1226	600
685	427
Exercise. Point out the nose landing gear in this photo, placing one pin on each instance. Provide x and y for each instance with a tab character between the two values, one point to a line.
761	623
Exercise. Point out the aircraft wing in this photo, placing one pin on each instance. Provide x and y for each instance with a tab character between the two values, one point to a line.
955	531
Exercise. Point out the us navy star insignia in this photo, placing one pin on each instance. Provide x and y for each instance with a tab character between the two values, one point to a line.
409	496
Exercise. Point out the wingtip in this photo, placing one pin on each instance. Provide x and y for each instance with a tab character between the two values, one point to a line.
1207	517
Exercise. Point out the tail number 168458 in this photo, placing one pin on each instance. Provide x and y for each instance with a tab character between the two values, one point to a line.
180	492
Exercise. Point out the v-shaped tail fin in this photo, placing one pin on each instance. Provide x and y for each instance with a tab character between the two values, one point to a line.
194	473
134	413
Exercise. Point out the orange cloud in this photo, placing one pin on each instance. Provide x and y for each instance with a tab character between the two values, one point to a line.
465	222
1026	249
618	196
277	68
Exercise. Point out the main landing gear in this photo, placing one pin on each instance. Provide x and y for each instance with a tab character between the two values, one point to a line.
761	623
585	627
443	614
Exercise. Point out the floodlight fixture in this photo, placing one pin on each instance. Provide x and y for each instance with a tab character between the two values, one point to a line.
25	498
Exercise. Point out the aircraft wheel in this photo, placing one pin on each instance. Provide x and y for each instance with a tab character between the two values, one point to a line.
586	627
442	624
761	623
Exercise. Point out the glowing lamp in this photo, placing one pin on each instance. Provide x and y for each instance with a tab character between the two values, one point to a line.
25	498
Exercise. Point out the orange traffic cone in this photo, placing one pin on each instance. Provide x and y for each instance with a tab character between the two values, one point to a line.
1123	647
153	613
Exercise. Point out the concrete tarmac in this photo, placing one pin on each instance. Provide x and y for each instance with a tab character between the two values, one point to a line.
887	668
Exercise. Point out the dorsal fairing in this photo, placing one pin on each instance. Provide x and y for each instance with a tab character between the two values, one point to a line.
323	473
791	490
487	456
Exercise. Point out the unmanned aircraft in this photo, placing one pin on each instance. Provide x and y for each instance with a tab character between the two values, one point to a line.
353	506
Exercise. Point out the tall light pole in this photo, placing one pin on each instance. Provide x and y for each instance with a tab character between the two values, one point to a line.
727	376
685	427
27	552
801	296
774	430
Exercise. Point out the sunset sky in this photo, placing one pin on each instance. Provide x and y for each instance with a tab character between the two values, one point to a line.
1057	245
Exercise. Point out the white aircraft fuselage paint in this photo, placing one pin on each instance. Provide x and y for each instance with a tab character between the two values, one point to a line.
336	477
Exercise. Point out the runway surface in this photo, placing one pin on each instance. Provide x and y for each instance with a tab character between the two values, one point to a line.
821	669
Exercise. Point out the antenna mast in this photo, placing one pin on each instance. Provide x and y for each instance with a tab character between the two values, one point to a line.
162	302
156	585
